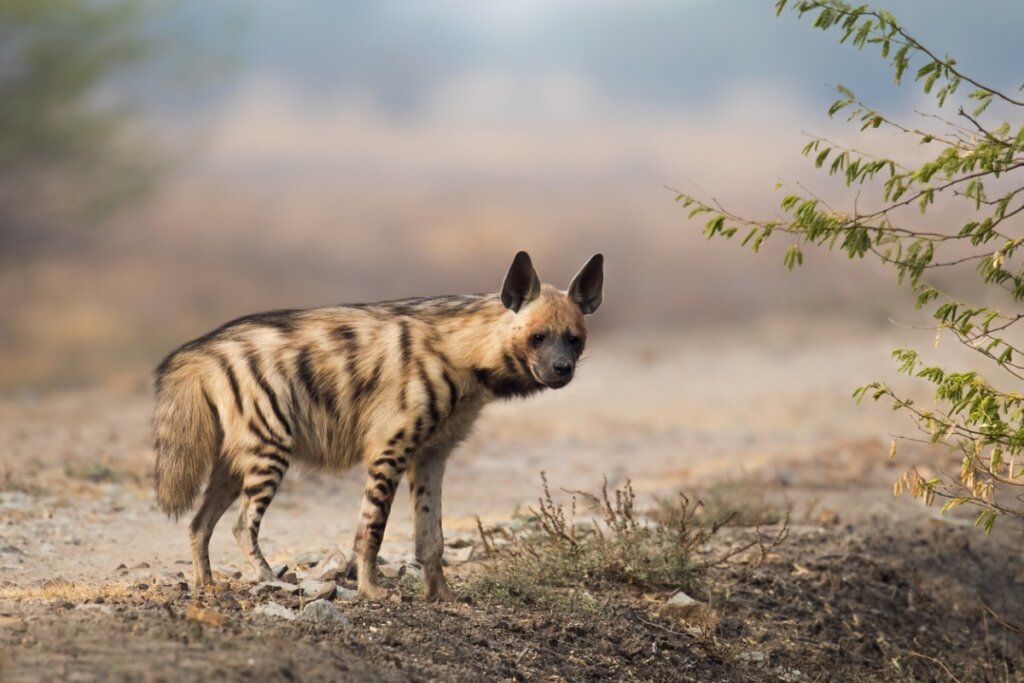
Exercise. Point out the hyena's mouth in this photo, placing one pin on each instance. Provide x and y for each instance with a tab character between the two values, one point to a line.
550	382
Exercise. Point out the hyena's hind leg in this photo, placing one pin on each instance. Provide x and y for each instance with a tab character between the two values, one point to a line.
425	475
260	483
221	491
384	472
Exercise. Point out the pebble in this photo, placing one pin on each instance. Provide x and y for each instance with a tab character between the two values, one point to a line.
391	571
279	570
323	612
268	587
683	607
459	555
272	609
318	590
346	594
333	567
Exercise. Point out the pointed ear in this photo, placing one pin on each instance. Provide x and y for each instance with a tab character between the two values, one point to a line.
586	288
521	284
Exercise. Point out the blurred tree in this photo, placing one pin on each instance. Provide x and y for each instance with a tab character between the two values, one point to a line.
66	153
976	160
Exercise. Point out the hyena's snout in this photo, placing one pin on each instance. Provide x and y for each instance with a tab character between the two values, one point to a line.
555	371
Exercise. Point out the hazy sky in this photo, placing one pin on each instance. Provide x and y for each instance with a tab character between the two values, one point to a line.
672	54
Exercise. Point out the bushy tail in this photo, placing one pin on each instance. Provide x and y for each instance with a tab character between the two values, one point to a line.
187	438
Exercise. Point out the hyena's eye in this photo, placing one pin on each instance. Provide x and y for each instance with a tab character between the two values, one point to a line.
574	341
538	339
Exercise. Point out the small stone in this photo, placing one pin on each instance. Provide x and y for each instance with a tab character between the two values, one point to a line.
290	577
307	560
279	570
413	570
268	587
318	590
141	565
458	543
390	571
696	613
459	555
272	609
346	594
323	612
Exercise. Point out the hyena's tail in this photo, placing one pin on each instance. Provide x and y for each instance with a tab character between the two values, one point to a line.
187	438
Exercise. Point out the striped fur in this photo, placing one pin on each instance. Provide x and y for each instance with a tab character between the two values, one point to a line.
393	386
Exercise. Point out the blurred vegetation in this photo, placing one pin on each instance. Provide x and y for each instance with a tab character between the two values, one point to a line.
974	164
69	153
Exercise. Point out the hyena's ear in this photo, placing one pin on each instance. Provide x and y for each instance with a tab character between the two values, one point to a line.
586	288
521	283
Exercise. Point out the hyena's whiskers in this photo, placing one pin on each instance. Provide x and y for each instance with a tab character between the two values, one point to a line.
394	386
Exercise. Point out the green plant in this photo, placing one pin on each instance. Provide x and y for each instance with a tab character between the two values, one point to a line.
976	160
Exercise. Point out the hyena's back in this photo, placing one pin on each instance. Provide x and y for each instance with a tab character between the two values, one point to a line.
311	385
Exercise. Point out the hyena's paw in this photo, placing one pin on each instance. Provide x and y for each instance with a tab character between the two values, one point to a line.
373	592
442	594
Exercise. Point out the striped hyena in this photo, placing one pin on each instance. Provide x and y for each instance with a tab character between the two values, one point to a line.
394	386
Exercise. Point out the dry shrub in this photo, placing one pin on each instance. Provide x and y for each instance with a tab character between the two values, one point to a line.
551	556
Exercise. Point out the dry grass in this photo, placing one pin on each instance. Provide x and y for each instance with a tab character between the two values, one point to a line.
553	557
69	591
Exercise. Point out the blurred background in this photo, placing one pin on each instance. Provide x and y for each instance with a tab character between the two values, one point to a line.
165	166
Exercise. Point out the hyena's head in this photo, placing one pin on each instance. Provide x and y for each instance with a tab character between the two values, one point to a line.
549	333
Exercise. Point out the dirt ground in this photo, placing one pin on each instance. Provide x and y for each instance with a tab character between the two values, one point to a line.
865	587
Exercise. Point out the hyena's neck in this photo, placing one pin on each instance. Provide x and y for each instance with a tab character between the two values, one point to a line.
476	337
482	342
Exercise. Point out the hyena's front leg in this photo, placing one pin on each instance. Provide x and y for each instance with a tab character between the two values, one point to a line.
425	477
382	480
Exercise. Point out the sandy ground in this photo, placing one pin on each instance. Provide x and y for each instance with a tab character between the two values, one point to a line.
667	412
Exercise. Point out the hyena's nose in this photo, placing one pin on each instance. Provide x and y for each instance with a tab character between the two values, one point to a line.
562	368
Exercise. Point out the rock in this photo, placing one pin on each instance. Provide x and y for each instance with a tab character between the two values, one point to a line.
391	571
307	560
334	567
272	609
459	555
141	565
412	569
318	590
279	570
458	543
290	577
323	612
346	594
694	612
268	587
